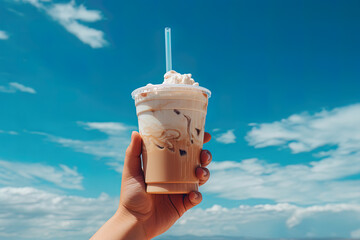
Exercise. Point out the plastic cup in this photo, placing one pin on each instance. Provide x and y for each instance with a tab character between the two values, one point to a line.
171	121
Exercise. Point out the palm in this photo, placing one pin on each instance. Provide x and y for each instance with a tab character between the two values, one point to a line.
153	210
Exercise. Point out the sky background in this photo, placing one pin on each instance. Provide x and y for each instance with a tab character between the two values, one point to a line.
284	112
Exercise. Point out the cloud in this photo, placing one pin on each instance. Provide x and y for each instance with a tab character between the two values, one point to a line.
281	220
301	213
40	214
14	87
44	215
325	178
227	137
111	149
71	17
9	132
22	88
355	233
3	35
305	132
297	183
15	12
23	174
110	128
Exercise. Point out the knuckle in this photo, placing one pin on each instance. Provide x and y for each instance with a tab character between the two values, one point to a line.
205	150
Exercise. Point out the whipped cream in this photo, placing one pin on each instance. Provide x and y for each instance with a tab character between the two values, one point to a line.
172	77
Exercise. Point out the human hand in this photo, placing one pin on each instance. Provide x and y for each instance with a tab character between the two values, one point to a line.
144	216
156	212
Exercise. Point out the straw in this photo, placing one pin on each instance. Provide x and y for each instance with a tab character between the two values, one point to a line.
168	49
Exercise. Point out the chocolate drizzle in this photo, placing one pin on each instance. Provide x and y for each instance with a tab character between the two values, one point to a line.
182	152
159	146
167	139
188	127
198	131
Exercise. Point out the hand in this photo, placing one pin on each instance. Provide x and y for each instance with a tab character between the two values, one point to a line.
156	212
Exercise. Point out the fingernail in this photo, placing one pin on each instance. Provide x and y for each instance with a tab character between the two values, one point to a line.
196	195
205	173
207	155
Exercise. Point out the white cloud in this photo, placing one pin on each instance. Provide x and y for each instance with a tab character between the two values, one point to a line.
36	3
311	182
355	233
227	137
110	128
23	174
3	35
302	213
298	183
40	214
305	132
69	12
112	149
15	12
22	88
14	87
93	37
43	215
269	221
9	132
117	166
69	15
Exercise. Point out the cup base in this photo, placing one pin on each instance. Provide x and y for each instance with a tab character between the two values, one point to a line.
171	188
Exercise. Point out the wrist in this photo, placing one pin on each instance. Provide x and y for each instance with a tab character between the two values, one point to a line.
132	228
122	226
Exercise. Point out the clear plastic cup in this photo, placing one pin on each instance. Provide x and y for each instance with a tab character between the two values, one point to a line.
171	121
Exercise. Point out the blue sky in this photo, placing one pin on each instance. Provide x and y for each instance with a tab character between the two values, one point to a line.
284	112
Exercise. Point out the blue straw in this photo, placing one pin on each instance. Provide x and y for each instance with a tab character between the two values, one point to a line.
168	49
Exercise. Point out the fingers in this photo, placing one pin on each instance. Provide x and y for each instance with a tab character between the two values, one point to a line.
183	202
207	137
205	158
132	163
192	199
203	174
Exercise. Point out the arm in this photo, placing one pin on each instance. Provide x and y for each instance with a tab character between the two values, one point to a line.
122	226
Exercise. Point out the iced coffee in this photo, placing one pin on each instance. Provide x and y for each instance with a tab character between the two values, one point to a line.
171	120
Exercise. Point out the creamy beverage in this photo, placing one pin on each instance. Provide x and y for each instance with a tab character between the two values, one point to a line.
171	120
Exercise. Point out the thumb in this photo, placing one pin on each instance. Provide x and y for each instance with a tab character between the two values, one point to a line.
192	199
132	163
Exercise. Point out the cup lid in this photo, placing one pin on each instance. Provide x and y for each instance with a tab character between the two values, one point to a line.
169	87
